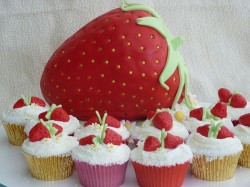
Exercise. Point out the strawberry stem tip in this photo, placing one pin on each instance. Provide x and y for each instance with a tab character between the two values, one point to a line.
27	100
97	139
51	109
162	138
49	126
214	129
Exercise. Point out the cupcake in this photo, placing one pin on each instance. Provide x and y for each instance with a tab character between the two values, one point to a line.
16	118
93	127
242	131
216	152
56	114
101	160
48	152
161	162
237	104
161	119
202	115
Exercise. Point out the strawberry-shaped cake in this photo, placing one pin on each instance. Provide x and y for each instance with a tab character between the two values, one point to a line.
161	160
47	151
124	62
101	160
16	118
157	120
56	114
93	127
216	152
242	131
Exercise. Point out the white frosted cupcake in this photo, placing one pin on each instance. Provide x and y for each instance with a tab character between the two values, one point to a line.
56	114
242	131
216	152
101	160
16	118
48	152
157	121
161	162
93	127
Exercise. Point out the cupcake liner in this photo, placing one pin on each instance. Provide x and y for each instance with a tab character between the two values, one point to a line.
100	175
50	168
216	170
15	133
153	176
244	159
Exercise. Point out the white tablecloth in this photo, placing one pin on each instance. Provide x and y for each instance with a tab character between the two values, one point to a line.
216	48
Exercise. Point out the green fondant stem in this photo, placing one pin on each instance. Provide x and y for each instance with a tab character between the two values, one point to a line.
27	101
99	117
103	134
162	138
51	109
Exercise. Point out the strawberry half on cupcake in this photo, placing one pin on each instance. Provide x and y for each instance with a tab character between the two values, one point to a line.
48	151
216	152
15	120
93	127
101	160
237	104
156	121
242	131
56	114
161	161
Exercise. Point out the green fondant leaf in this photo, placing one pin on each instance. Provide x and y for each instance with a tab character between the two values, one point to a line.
51	109
162	138
96	140
176	42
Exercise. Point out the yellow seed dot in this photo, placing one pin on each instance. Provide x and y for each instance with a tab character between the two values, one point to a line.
123	94
141	88
68	60
130	72
99	49
55	65
83	53
142	101
158	47
122	105
62	74
157	61
92	61
137	105
63	51
57	97
113	81
70	100
106	62
106	19
81	65
159	104
91	109
142	48
151	36
118	66
127	21
98	91
179	116
169	98
129	57
174	79
153	89
49	94
109	92
87	99
91	88
79	90
143	62
109	102
78	78
71	110
166	93
155	73
89	77
123	37
102	75
44	84
109	40
69	78
151	98
94	42
64	90
139	35
143	74
124	84
113	28
134	96
113	50
57	86
129	43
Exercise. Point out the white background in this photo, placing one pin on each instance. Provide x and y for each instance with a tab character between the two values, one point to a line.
216	49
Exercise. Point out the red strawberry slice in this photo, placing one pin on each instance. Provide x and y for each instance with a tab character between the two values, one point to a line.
58	127
39	132
220	110
112	137
224	94
238	101
88	140
225	133
19	104
151	144
196	113
111	121
42	116
38	101
172	141
113	65
150	114
245	120
59	114
163	120
203	130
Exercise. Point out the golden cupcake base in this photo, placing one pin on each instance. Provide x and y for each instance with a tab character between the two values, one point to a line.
15	133
216	170
50	168
244	159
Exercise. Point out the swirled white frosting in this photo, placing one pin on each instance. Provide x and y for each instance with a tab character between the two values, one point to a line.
69	127
106	154
20	116
243	133
235	113
96	129
58	145
161	157
142	131
192	123
213	148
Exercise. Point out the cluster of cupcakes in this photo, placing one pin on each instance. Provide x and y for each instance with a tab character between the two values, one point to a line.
166	143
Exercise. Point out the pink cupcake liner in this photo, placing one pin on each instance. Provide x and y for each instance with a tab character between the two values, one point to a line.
99	175
153	176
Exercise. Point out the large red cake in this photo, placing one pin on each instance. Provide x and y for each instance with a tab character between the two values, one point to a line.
124	62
